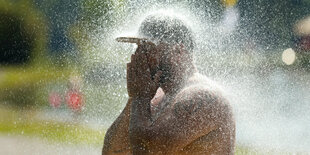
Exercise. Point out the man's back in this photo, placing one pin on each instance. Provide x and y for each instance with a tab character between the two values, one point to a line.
200	113
221	140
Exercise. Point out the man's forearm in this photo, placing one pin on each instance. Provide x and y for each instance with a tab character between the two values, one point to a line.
140	120
116	140
141	111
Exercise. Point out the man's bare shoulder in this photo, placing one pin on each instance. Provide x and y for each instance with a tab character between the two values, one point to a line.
199	80
200	87
201	96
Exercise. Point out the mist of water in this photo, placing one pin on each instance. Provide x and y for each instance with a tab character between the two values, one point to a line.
271	103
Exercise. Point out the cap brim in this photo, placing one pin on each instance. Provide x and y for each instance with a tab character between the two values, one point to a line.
135	40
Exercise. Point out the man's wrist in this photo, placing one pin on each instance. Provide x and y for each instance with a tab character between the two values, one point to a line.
141	99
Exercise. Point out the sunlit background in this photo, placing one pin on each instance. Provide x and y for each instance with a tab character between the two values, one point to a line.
62	74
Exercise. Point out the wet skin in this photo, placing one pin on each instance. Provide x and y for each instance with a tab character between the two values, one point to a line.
171	109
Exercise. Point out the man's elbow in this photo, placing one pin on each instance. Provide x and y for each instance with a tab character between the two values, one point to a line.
105	151
106	146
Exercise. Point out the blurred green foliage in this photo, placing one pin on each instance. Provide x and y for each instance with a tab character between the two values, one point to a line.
31	23
17	82
25	123
27	86
23	84
105	12
96	20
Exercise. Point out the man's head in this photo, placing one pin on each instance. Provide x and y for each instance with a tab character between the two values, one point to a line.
173	39
167	29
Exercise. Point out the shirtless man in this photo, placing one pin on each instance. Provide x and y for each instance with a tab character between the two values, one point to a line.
172	109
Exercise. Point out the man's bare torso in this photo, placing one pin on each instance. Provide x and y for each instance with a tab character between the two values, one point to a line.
219	140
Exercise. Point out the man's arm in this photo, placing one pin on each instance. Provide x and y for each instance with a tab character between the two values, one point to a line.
194	113
116	140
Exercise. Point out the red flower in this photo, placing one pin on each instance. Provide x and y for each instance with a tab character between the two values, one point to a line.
54	99
74	100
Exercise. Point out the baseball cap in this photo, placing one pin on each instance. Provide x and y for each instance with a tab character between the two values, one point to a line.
160	27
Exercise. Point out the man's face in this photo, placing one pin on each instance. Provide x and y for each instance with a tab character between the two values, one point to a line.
159	59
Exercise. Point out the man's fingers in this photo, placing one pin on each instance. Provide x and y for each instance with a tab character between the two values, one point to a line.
129	72
128	68
132	58
145	47
141	61
141	49
128	65
133	66
144	61
139	65
143	67
157	77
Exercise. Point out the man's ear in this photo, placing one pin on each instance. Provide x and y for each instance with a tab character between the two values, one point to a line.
184	52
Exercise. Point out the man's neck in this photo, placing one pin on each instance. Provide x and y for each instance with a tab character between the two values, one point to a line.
172	89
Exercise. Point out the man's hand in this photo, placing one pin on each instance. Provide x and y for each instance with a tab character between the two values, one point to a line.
140	83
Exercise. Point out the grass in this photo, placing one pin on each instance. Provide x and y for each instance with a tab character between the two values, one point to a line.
22	123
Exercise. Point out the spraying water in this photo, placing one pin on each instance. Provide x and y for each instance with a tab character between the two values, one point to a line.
271	98
271	103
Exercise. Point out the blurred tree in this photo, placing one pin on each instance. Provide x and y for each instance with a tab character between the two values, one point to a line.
210	10
15	42
22	33
95	18
22	47
60	16
229	3
100	13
